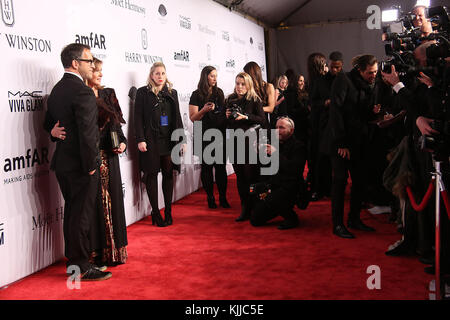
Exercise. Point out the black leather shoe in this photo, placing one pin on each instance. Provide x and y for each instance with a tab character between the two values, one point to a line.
288	224
245	214
359	225
400	248
224	203
212	203
431	270
242	218
94	274
427	259
341	231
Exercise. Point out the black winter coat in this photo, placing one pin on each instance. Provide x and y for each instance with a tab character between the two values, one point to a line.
147	122
292	157
351	111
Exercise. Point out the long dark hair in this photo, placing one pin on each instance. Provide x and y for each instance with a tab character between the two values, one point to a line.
204	90
316	63
253	69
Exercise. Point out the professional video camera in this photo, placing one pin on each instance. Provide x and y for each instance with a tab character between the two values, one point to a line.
404	38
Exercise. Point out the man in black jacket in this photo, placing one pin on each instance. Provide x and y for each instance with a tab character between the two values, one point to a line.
320	104
285	184
75	160
352	107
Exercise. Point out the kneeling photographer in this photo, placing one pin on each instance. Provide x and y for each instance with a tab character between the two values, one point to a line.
277	194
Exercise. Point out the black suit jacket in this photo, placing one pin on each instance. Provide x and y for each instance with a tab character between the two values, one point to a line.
74	105
352	102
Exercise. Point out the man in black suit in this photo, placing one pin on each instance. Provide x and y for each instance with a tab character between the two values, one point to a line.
352	108
75	160
320	104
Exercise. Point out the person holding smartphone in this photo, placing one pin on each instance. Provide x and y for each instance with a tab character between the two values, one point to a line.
207	105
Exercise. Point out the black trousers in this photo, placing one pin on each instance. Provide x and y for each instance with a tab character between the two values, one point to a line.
322	175
207	178
278	203
246	174
341	167
151	184
80	192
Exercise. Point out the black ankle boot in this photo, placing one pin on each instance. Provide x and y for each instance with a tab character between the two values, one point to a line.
212	202
245	214
224	203
158	220
168	217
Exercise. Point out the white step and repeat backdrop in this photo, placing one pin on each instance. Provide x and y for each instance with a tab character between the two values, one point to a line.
128	35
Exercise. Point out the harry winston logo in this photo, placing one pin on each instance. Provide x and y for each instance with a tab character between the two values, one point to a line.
7	12
144	39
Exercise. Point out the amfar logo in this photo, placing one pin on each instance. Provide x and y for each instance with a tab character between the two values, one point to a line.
28	43
7	12
94	40
39	157
185	22
2	234
144	39
24	101
181	56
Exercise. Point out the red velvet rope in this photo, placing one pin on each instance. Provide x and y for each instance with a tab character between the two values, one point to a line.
425	200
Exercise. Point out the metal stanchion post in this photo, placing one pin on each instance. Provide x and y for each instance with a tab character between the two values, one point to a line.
437	268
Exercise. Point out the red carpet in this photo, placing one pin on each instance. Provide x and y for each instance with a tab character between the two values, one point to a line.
207	255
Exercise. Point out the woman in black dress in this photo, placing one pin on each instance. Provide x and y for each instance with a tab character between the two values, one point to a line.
251	114
207	104
156	116
264	90
110	229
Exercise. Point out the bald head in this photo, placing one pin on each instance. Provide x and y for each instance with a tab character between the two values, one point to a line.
285	128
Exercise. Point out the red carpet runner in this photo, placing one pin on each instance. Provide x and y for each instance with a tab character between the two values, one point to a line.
207	255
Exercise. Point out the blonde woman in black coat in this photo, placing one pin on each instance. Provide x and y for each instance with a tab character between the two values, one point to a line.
156	116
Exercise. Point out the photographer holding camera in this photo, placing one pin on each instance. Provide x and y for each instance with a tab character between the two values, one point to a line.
244	111
278	193
429	115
